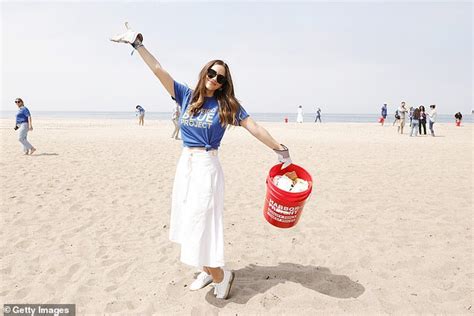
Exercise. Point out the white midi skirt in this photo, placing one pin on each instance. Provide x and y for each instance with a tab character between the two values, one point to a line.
197	208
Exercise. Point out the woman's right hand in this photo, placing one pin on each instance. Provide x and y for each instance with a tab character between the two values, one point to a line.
130	37
135	39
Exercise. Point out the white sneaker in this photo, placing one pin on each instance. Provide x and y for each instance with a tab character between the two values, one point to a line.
202	280
214	286
128	37
222	289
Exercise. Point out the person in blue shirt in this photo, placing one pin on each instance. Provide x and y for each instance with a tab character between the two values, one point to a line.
141	115
198	189
24	124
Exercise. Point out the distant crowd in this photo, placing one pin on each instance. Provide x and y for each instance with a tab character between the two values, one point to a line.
418	118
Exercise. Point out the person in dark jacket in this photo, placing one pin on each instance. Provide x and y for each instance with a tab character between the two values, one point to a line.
422	124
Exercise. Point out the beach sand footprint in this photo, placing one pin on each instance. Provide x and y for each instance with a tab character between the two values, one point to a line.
255	279
119	271
177	285
22	293
73	269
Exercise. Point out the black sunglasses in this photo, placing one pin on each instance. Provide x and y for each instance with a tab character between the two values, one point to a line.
17	101
211	73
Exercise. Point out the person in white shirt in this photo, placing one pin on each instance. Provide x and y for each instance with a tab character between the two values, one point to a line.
299	117
432	118
402	110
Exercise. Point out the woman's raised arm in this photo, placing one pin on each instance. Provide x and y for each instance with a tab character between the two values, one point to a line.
165	78
136	40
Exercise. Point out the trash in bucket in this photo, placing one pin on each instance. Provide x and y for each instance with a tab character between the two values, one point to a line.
282	208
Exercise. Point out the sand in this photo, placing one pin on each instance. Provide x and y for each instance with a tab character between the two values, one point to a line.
388	229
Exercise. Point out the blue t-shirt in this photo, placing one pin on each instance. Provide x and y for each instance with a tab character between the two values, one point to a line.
203	129
22	115
140	110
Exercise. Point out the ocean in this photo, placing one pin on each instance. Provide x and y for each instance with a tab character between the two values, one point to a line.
259	117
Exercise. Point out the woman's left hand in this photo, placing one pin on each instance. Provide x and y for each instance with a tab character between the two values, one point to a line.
262	135
283	154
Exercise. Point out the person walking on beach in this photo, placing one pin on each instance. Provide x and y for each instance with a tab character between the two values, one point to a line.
24	124
299	116
383	113
422	120
415	122
175	119
432	118
198	190
141	115
401	112
318	115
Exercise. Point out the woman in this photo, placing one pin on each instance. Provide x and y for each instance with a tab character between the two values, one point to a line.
458	117
415	121
141	115
299	116
198	190
432	115
422	120
25	124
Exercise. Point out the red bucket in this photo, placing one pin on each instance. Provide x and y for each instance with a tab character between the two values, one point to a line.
283	209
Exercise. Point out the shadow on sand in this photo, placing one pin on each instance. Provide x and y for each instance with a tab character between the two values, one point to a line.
255	279
44	154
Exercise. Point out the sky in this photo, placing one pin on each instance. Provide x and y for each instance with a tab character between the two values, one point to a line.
345	57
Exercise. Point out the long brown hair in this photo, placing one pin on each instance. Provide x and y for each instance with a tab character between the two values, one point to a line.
416	114
228	104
